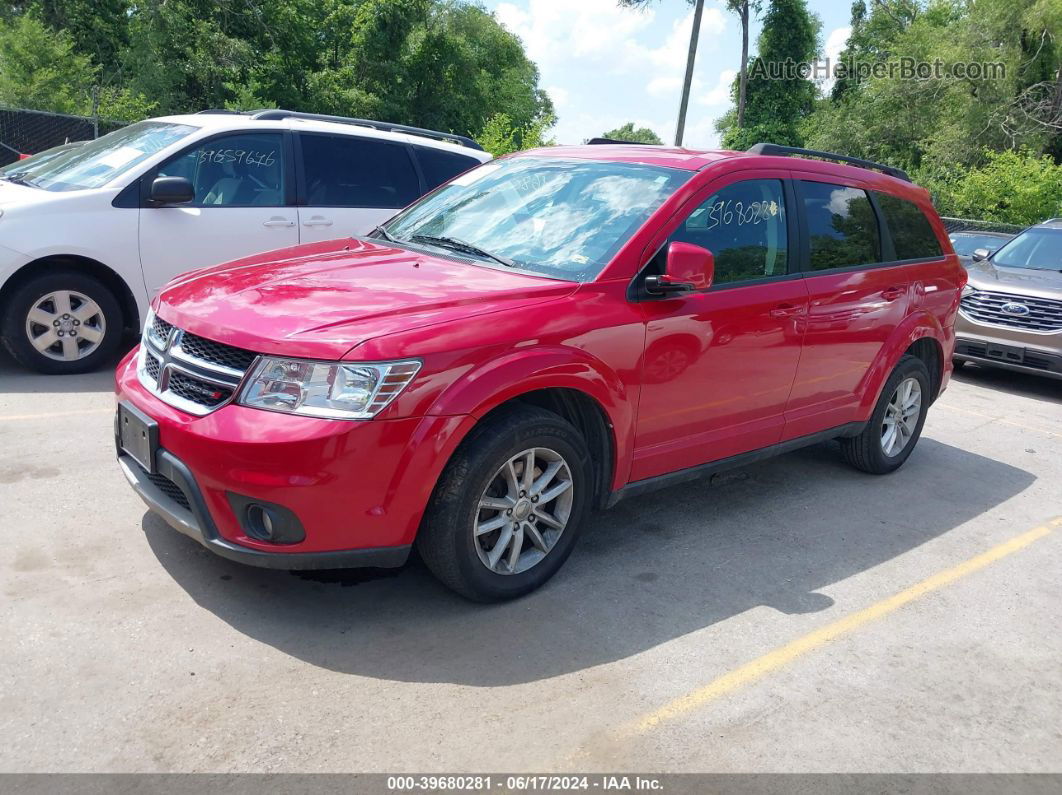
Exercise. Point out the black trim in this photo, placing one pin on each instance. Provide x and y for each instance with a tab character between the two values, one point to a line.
129	197
601	140
197	523
980	352
787	151
639	487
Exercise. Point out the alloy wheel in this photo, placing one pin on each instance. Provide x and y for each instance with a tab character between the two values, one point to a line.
901	417
523	511
65	325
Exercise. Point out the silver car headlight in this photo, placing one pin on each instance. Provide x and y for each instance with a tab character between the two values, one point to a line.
331	390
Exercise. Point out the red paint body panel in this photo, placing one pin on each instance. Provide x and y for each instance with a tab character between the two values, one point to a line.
682	381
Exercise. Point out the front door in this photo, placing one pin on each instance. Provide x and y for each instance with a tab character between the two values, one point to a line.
240	207
718	366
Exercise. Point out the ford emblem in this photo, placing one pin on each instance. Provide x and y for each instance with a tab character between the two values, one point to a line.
1014	308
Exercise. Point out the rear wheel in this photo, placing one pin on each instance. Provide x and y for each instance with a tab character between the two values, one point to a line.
62	322
509	505
896	424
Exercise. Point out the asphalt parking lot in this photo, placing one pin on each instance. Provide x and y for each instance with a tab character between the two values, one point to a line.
792	616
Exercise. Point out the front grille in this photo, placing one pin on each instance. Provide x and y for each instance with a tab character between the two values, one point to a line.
197	390
195	374
215	352
170	489
1043	315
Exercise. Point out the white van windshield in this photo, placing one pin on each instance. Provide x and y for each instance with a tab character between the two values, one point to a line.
95	163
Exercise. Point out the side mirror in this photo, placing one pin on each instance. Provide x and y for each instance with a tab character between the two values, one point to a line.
980	254
689	269
172	190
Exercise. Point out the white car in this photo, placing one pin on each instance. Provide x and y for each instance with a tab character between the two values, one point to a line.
88	235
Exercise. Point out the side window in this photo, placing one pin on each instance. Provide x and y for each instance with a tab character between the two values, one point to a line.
439	166
241	170
842	226
911	233
744	226
350	171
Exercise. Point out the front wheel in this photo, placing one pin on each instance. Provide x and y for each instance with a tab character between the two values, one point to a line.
509	505
61	322
896	424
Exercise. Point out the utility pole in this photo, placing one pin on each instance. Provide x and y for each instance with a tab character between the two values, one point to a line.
694	35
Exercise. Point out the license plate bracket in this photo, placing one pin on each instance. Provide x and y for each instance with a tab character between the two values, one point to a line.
1006	353
138	436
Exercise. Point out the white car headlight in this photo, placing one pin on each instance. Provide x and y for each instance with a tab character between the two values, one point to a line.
332	390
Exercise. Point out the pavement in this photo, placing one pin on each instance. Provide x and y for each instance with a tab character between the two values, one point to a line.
792	616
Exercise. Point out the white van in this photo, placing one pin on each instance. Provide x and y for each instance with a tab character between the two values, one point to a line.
88	235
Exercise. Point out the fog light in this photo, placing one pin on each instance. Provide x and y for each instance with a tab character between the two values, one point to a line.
266	521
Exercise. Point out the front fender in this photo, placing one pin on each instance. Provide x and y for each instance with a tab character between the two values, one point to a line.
557	367
914	327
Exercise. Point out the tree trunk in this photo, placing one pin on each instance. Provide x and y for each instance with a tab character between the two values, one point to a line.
743	73
689	72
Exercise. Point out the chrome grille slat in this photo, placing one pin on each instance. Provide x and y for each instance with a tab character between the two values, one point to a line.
1044	315
190	372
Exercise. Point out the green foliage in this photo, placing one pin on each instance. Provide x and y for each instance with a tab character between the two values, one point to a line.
776	103
500	136
1012	187
39	68
627	132
445	64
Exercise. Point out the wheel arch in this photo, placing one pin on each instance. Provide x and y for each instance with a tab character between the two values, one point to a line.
110	278
919	335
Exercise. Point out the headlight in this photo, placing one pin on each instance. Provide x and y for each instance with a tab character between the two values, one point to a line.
333	390
967	290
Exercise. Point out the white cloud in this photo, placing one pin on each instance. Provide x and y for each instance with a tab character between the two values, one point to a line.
720	95
559	95
831	51
662	86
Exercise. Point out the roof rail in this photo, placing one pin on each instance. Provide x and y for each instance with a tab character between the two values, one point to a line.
785	151
595	141
270	114
218	112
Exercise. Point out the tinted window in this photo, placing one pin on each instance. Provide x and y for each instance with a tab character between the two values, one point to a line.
439	166
242	170
347	171
842	227
912	236
743	225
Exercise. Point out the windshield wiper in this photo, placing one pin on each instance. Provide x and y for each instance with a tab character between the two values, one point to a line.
460	245
384	234
18	180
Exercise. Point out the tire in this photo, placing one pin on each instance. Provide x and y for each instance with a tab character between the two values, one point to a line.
93	324
448	542
867	451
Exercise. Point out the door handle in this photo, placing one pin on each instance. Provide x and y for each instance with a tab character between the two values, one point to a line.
892	293
276	221
317	220
786	310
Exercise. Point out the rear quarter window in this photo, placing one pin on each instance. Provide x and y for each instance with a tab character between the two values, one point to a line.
439	166
912	235
842	226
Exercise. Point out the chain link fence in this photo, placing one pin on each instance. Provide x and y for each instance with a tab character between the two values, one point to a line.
26	132
973	225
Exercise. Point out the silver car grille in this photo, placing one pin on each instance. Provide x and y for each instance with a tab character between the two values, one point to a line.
192	373
1039	315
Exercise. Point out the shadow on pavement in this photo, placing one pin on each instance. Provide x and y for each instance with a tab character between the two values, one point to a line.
1022	384
650	570
16	379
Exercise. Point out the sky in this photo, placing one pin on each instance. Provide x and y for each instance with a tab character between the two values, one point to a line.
604	65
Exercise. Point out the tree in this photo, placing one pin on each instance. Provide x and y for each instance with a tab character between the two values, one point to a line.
40	68
742	8
691	57
778	97
500	137
641	135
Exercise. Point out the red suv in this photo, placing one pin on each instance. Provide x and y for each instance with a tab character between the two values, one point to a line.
544	335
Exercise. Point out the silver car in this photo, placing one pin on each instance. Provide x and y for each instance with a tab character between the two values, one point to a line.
1011	310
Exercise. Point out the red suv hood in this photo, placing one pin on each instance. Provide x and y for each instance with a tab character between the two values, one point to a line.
320	300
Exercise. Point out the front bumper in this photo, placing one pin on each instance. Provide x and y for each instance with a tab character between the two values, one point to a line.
359	489
1011	348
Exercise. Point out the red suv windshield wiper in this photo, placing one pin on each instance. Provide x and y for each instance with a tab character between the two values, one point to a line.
460	245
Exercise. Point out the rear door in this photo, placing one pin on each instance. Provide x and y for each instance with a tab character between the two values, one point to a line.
349	184
718	366
243	205
858	295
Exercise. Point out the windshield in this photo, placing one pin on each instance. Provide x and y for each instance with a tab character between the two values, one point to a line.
965	245
563	218
1039	249
95	163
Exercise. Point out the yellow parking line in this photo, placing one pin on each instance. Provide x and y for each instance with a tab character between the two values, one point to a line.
973	413
53	414
773	660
